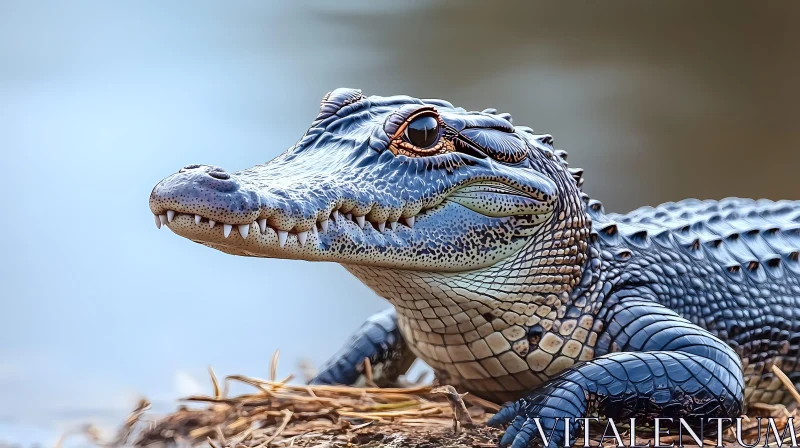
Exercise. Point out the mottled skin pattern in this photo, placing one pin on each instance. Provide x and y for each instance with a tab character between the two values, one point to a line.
504	277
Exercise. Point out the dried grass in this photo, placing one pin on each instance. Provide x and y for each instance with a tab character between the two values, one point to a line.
279	414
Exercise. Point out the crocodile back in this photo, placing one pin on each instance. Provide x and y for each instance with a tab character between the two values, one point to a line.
730	266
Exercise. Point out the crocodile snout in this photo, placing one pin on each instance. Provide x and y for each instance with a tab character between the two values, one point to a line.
209	193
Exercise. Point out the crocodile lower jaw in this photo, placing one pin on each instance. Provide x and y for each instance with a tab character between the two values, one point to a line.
253	237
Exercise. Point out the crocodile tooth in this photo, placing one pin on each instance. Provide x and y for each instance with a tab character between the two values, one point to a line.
158	221
381	226
211	224
349	216
282	235
170	215
393	225
410	221
324	225
197	219
226	229
244	230
262	225
163	219
301	237
360	221
335	215
314	230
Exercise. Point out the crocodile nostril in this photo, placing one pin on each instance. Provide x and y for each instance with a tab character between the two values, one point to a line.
189	167
219	173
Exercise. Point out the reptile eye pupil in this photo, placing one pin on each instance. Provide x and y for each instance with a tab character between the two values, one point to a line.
423	132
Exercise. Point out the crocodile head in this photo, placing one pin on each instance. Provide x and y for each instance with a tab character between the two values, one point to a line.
393	182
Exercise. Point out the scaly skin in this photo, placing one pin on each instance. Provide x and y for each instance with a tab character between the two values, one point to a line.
504	277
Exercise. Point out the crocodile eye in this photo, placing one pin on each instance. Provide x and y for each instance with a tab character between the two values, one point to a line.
423	131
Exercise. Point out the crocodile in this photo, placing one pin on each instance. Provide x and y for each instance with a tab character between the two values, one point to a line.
504	276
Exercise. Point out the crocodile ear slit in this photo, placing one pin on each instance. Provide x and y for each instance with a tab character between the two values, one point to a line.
498	144
463	145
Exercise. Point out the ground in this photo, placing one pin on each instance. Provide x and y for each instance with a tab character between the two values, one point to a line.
279	414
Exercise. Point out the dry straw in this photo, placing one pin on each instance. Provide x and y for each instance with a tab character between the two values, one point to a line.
279	414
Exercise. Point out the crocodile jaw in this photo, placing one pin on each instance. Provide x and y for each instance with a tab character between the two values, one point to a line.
398	248
443	235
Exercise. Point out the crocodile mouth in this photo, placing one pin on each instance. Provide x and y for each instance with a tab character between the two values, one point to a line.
471	196
394	228
251	238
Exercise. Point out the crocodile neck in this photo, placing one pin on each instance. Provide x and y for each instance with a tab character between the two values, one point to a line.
544	272
499	303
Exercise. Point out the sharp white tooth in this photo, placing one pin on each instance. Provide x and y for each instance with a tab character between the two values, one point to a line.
335	215
226	229
301	237
262	224
282	235
170	215
244	230
324	225
163	219
158	221
349	216
211	224
410	221
314	230
381	226
393	225
360	221
197	219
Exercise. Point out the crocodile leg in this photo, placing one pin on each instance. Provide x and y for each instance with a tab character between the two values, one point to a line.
379	340
663	366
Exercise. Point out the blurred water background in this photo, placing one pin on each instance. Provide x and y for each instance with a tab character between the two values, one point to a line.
100	100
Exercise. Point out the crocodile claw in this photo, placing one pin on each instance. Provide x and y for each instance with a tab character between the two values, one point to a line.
539	419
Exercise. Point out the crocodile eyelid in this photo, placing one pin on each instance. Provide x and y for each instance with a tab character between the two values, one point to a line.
425	111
